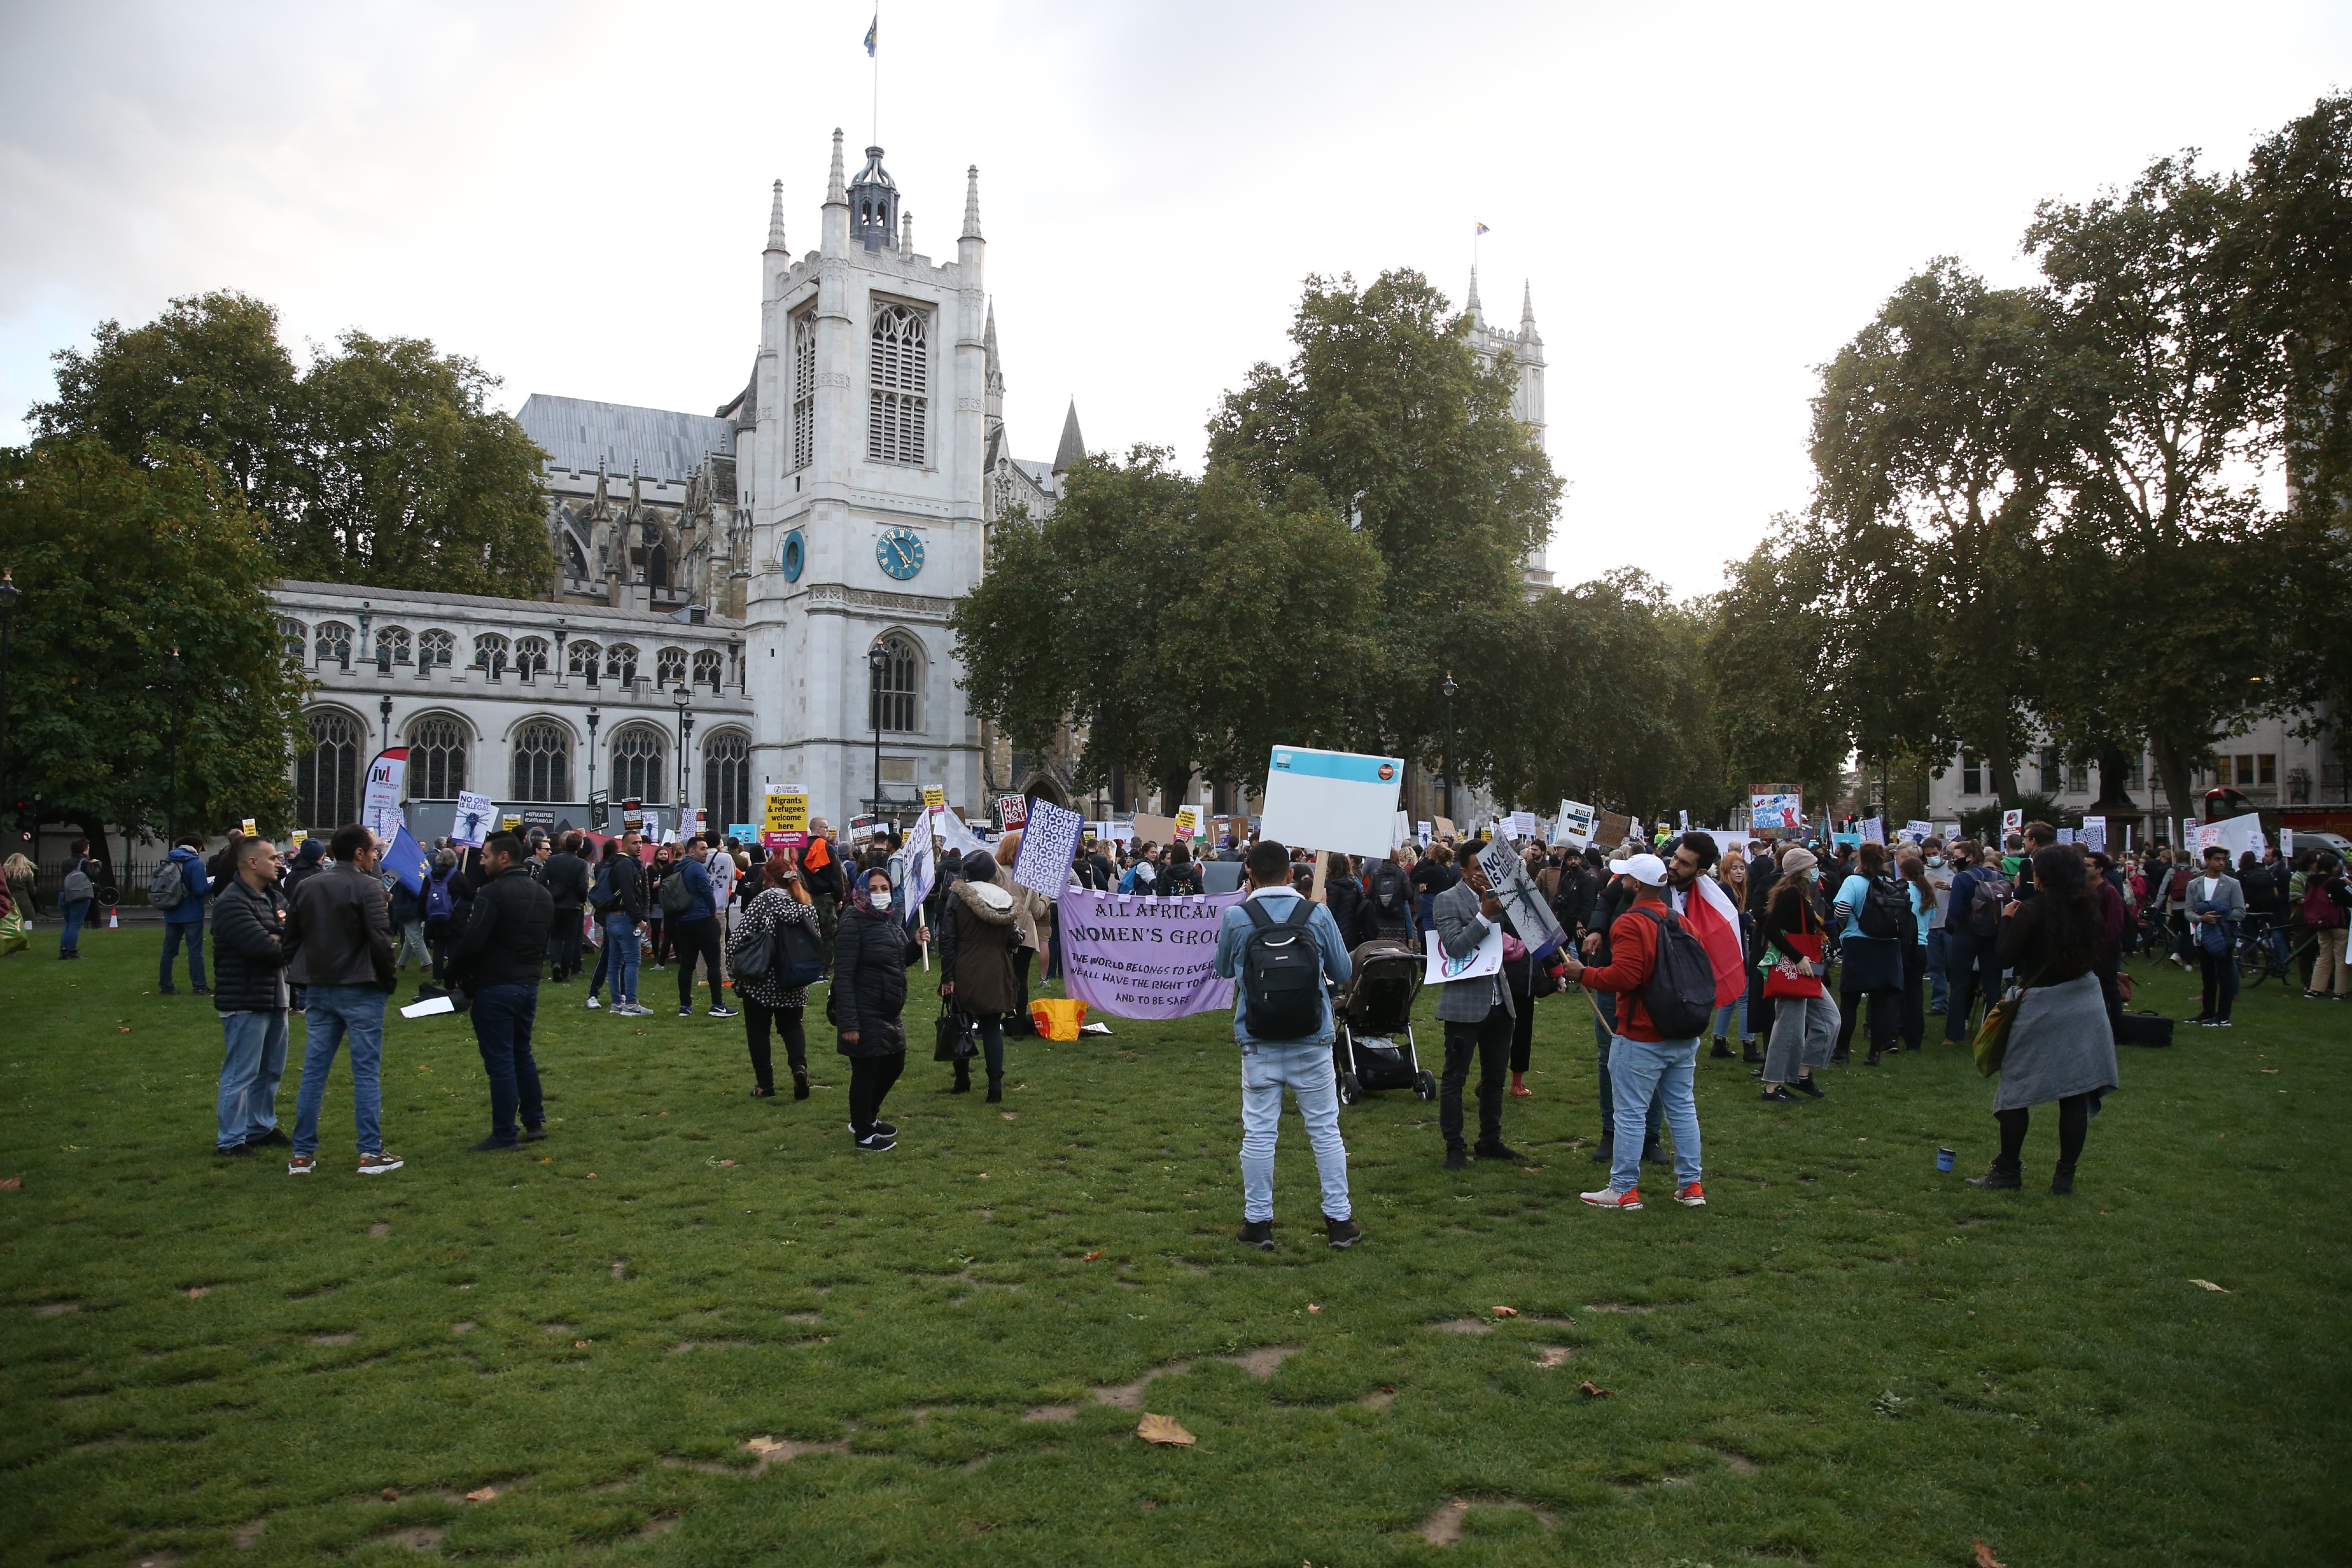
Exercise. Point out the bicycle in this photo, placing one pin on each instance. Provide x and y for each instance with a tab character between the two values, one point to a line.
2262	952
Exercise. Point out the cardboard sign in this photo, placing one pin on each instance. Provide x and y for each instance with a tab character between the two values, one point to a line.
935	794
1332	800
2241	836
1610	829
472	824
1012	810
1442	826
1488	959
1151	830
1777	813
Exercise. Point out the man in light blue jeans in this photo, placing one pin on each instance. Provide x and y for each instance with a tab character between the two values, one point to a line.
339	928
1303	1064
332	1014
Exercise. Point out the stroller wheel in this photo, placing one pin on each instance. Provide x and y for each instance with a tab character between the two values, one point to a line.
1425	1084
1350	1091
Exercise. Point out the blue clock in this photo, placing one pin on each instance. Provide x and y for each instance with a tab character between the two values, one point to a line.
795	555
900	551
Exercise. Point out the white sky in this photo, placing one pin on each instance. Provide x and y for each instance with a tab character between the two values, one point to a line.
1708	200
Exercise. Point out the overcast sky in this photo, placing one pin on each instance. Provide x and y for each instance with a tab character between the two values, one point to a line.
1706	200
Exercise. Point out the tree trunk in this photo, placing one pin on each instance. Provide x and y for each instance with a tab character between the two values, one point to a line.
2172	771
2004	770
1171	791
96	833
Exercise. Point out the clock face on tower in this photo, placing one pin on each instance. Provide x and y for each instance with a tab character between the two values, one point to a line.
795	555
900	552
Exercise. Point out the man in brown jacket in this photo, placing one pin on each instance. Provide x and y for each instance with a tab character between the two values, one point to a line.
339	928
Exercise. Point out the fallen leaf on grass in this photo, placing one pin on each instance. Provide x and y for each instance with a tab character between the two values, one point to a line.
1164	1430
591	1175
122	1030
1592	1390
391	1494
1009	1115
2202	1284
1552	1358
481	1494
1090	1256
766	1446
12	1183
579	1344
2264	1069
1507	1311
196	1290
725	1164
1313	1307
1985	1558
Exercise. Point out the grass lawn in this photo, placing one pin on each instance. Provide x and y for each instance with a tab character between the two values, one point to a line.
1846	1358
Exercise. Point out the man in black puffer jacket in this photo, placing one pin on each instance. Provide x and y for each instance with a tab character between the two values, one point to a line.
497	960
565	877
250	991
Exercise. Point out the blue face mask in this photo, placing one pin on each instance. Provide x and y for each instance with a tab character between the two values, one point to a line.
1935	859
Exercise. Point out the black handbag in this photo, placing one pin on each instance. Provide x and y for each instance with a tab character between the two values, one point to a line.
955	1037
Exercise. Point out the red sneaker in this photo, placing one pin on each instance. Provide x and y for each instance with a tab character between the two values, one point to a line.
1606	1198
1691	1195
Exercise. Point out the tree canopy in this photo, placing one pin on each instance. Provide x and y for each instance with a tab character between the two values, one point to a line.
381	463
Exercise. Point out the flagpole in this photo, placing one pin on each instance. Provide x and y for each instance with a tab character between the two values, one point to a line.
876	53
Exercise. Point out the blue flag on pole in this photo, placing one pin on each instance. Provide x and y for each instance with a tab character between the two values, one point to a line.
405	859
872	30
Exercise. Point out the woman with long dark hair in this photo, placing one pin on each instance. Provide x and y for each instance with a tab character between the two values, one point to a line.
2060	1045
768	1001
1805	1016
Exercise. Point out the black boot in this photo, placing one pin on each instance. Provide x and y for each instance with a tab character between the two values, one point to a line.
2003	1177
800	1083
2061	1180
962	1084
1722	1049
996	1088
1607	1153
1750	1054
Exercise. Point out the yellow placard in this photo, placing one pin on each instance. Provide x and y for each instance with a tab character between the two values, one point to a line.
509	822
786	812
248	827
1188	821
934	794
299	835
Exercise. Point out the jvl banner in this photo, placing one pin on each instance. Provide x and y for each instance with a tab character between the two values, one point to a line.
380	809
1144	958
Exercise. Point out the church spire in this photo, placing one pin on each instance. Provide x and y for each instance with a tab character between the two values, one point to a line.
1528	314
776	219
971	202
905	233
1477	317
835	192
1073	449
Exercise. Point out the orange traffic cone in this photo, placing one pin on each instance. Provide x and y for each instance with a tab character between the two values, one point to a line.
112	923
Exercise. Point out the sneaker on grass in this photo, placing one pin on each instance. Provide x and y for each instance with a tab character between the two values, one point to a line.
1610	1198
591	1003
301	1164
721	1013
1691	1195
380	1163
875	1142
887	1129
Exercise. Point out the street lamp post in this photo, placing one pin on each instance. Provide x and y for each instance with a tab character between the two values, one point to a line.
593	717
9	594
877	661
681	699
173	667
1449	689
383	710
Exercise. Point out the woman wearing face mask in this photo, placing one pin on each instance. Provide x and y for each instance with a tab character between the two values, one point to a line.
1805	1016
866	999
1939	941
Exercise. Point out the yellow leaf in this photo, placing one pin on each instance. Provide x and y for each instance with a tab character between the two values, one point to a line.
2209	1285
1984	1556
1162	1429
765	1445
481	1494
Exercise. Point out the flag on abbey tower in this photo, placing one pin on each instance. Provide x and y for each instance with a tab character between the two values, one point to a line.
1708	916
1481	228
873	31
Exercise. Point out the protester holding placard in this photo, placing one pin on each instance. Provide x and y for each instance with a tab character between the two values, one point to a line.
1477	1016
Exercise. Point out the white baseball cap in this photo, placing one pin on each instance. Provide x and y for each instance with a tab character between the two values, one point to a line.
1646	870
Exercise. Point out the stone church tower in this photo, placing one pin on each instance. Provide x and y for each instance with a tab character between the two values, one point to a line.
863	451
1525	348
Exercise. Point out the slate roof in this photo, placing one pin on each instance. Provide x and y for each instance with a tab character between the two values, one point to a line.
662	443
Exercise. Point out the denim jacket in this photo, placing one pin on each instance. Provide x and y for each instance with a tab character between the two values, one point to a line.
1233	937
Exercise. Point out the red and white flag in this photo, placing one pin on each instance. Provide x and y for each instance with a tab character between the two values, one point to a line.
1708	915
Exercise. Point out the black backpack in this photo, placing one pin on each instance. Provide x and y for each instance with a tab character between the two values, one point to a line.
1281	974
1679	996
1985	904
1886	909
1390	888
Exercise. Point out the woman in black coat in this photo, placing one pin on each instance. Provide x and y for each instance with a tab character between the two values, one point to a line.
868	993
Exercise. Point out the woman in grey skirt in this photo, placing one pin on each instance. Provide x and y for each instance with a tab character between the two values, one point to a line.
1804	1027
2060	1046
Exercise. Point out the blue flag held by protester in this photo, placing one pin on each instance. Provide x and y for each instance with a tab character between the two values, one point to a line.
405	859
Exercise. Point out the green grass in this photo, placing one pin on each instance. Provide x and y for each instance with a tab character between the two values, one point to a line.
1847	1358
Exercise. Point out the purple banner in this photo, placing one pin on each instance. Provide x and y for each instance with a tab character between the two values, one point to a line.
1143	958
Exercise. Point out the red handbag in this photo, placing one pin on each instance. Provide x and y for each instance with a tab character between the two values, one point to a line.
1795	976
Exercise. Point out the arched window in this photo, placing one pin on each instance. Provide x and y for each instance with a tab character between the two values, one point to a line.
392	640
657	566
331	644
640	764
580	658
531	657
726	778
805	388
542	761
621	663
669	667
292	637
707	667
490	654
437	759
433	647
327	776
894	685
898	384
575	559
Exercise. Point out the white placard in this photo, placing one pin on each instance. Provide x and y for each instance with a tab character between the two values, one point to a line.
1873	829
1524	825
2241	836
427	1009
1575	825
1777	813
380	808
1331	800
2287	843
1917	831
1487	960
474	819
2012	822
1047	845
2093	834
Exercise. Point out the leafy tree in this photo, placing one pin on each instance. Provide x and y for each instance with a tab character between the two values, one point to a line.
1190	626
382	464
1768	638
1389	414
121	562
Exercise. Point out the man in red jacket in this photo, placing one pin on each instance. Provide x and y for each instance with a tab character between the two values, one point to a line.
1639	1063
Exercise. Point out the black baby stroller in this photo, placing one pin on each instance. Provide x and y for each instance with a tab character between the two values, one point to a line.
1373	1046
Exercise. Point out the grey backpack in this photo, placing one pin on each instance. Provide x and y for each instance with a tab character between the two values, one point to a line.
168	885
